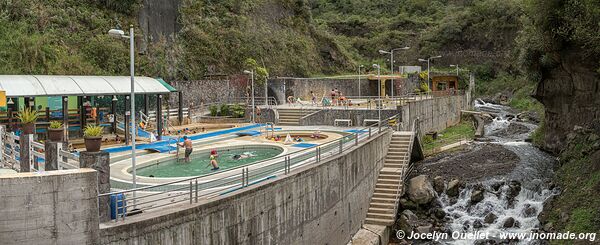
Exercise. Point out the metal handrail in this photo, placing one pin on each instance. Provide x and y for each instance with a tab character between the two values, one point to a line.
231	183
404	171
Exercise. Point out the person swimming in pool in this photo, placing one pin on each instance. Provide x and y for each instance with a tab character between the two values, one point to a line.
187	144
242	156
213	160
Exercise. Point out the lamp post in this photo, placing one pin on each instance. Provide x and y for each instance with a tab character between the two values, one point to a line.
359	87
391	53
121	34
252	78
378	67
266	92
456	68
428	60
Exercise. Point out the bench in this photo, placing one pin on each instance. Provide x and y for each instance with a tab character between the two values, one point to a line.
336	122
373	121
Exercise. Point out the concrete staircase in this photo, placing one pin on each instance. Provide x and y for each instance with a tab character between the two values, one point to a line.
383	206
291	116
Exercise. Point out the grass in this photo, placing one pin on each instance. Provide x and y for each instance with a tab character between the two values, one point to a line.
450	135
582	220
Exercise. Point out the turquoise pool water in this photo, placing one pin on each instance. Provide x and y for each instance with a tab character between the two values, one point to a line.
200	162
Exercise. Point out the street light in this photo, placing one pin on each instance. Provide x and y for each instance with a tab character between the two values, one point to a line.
116	33
456	68
360	66
252	77
378	67
391	53
428	60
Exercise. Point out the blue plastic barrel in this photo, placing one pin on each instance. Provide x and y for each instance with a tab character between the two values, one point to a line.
117	205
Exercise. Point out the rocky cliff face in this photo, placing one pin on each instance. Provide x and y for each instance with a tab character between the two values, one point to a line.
570	93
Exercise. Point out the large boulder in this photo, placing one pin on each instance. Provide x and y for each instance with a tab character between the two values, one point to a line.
454	187
420	190
408	221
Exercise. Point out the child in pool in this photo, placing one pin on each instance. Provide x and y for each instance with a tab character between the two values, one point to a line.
213	160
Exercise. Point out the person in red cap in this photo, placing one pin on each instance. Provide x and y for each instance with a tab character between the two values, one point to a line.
213	159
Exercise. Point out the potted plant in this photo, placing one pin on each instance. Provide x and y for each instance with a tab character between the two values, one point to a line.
28	118
55	131
92	137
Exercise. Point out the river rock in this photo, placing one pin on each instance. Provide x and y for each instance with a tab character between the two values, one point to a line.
486	242
477	194
439	213
424	229
496	185
490	218
549	227
408	204
514	188
477	224
509	222
454	187
438	184
407	221
529	211
420	190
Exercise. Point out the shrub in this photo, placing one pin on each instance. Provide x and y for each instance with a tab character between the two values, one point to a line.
224	110
28	116
214	110
56	124
93	130
237	111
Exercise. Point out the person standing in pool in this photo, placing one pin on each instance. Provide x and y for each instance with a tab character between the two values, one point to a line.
213	160
187	144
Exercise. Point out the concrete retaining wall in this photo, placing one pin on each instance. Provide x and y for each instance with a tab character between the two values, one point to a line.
324	203
435	114
55	207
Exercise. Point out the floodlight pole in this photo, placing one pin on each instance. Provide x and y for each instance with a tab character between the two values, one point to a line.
120	34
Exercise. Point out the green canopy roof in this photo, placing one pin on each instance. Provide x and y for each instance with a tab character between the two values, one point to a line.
169	87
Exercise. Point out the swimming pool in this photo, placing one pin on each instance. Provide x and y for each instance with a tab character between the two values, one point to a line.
200	162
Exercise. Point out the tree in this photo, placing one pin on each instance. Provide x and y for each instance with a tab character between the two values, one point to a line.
260	73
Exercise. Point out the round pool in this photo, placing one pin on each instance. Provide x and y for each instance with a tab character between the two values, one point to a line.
200	162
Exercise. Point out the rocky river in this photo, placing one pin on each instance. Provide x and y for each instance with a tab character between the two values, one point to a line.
495	186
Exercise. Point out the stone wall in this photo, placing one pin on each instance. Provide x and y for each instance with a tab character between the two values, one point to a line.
435	114
211	91
328	116
323	203
54	207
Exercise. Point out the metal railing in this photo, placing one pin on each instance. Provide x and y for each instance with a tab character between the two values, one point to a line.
404	171
437	144
202	187
372	102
